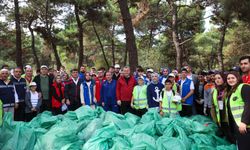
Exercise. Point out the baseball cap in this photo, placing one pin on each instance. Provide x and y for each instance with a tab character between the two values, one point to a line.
150	70
33	84
171	75
117	66
44	66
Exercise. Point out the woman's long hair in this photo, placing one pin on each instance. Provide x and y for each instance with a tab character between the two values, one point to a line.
223	86
229	89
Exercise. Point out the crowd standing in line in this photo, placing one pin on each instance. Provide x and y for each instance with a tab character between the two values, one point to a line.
223	96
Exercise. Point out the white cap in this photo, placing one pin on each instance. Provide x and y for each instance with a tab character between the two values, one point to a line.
117	66
150	70
4	70
33	84
171	75
27	66
44	66
140	77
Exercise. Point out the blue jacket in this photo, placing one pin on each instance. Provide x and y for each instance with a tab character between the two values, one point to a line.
108	92
82	76
185	90
163	79
21	88
86	95
153	94
7	94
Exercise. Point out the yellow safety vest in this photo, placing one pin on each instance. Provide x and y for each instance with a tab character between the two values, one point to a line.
175	87
168	106
140	97
216	105
237	105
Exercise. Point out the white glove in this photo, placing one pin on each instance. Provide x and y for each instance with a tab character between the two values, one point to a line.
119	102
205	111
132	105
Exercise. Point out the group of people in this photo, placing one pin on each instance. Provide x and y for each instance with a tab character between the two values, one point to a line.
219	95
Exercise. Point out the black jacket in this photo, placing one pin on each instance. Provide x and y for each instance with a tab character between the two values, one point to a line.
37	79
72	91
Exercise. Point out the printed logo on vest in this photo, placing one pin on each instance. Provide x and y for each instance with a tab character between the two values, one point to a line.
235	98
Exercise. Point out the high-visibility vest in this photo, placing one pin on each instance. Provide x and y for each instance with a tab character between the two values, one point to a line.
140	97
174	87
168	106
216	107
237	105
1	113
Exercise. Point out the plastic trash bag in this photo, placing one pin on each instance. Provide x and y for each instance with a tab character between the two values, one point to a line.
169	143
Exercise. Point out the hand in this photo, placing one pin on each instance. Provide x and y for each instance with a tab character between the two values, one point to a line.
119	102
83	104
205	111
103	104
63	101
132	105
16	105
33	109
39	95
67	102
243	128
161	113
95	100
183	100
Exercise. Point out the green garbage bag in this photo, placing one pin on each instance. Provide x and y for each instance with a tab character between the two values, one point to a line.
226	147
23	138
147	128
44	120
121	143
203	139
90	129
151	114
7	129
61	134
175	131
86	112
142	141
170	143
162	125
101	139
117	119
202	147
131	119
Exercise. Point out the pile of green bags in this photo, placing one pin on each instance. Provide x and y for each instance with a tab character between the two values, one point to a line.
95	129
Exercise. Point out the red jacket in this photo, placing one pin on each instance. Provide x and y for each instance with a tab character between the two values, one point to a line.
123	90
246	79
98	85
57	95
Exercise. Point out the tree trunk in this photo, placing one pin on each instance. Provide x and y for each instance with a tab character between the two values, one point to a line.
221	44
19	62
176	41
36	60
129	32
100	42
80	37
113	45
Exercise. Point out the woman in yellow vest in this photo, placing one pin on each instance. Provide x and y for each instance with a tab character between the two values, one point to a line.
218	110
139	102
170	103
238	109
